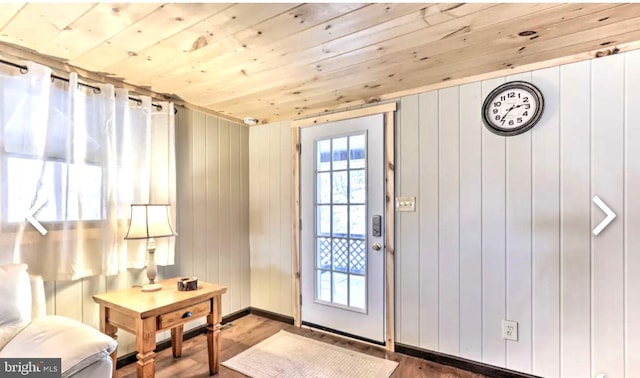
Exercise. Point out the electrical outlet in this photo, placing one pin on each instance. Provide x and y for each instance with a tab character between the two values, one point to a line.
510	330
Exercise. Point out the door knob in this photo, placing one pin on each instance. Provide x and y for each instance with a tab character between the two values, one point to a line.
376	246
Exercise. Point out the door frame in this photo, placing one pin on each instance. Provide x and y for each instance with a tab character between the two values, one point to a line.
388	110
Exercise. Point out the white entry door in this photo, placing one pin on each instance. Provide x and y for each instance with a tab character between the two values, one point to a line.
342	235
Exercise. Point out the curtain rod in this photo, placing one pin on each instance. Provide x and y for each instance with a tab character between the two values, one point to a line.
25	69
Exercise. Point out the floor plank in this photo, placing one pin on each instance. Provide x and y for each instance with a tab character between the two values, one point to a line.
245	332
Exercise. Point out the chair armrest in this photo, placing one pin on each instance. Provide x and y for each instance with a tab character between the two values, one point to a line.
38	302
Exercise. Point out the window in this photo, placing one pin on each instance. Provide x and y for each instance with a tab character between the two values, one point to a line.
67	192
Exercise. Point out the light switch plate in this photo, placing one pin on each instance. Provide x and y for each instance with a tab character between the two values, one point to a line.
510	330
405	203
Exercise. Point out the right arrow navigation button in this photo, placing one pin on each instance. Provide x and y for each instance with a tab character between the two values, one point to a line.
605	222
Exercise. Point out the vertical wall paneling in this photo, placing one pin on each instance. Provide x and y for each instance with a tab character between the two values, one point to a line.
409	331
493	240
212	257
67	295
607	183
184	192
270	178
275	212
449	221
233	251
518	244
90	310
244	218
632	215
257	214
199	195
546	228
470	222
210	229
224	215
575	205
421	251
286	184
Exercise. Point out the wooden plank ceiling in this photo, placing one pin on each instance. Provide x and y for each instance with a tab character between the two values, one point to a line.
284	61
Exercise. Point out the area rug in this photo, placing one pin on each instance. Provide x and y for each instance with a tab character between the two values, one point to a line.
288	355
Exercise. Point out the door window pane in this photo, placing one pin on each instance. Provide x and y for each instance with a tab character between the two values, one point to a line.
323	225
357	186
340	221
357	257
341	224
323	187
339	153
324	285
357	221
340	187
340	255
340	288
357	295
357	151
324	253
323	155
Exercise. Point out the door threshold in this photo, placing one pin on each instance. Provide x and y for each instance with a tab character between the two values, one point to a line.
344	335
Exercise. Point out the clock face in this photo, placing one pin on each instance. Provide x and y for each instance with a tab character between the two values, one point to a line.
512	108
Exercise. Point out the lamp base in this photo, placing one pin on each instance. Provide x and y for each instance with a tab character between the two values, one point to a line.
151	287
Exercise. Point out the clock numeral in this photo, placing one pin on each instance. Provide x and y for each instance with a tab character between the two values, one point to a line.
519	119
495	111
512	95
498	117
511	123
525	113
497	104
525	99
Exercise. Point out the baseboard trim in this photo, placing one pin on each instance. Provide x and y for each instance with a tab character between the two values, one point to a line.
272	315
130	358
460	363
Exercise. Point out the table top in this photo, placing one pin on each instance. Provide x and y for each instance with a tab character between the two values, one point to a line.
135	302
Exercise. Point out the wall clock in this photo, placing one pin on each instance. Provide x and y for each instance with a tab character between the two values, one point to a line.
512	108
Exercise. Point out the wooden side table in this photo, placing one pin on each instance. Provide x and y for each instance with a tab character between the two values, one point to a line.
146	313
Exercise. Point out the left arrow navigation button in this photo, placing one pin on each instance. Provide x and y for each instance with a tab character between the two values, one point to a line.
31	219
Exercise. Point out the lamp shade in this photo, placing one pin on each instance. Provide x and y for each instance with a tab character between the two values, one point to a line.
149	221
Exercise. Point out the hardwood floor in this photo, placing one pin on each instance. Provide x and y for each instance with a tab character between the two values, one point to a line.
250	330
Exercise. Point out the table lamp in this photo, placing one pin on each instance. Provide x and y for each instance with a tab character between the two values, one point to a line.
150	221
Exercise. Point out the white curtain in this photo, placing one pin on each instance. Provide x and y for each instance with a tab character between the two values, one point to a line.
76	158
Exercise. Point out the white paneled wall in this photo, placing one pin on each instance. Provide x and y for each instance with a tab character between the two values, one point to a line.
503	225
271	185
213	204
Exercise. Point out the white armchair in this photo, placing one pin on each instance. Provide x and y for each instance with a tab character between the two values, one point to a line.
27	332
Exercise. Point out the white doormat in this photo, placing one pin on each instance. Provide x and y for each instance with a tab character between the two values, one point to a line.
288	355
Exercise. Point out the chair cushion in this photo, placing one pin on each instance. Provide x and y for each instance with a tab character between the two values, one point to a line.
15	300
77	344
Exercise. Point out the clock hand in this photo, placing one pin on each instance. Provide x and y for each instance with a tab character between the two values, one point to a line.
505	114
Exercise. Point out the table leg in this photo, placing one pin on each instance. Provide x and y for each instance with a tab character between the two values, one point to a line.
176	340
145	345
109	330
214	338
